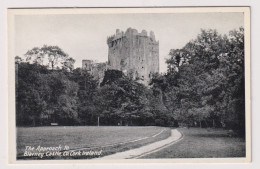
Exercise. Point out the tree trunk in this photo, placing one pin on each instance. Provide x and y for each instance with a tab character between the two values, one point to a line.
206	124
85	83
34	122
52	65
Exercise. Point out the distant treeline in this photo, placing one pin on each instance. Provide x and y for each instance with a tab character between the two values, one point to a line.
204	87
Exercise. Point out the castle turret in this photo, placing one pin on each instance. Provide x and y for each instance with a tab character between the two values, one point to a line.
117	31
144	33
152	36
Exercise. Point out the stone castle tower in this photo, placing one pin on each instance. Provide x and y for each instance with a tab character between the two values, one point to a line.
135	54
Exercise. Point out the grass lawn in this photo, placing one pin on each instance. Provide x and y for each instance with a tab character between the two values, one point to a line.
105	138
203	143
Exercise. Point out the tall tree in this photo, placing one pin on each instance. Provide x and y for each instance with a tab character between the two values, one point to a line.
210	83
51	56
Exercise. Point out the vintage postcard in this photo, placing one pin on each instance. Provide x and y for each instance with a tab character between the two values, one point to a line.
95	85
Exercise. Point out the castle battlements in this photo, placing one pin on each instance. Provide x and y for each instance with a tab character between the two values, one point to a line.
131	32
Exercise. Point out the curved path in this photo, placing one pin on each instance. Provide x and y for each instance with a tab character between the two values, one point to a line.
148	149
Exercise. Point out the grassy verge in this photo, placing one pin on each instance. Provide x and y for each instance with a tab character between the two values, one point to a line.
109	140
203	143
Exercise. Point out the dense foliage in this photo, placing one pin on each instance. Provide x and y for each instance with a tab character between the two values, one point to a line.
204	86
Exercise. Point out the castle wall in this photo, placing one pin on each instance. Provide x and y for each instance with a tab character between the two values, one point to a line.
87	65
97	70
135	54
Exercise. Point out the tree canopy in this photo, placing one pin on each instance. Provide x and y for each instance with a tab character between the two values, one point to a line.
51	56
209	79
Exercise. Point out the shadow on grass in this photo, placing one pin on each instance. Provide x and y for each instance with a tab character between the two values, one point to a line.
212	132
203	143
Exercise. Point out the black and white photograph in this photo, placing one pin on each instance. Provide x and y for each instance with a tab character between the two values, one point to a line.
106	84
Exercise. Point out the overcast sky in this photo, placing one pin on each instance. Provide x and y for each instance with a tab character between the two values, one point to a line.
84	36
